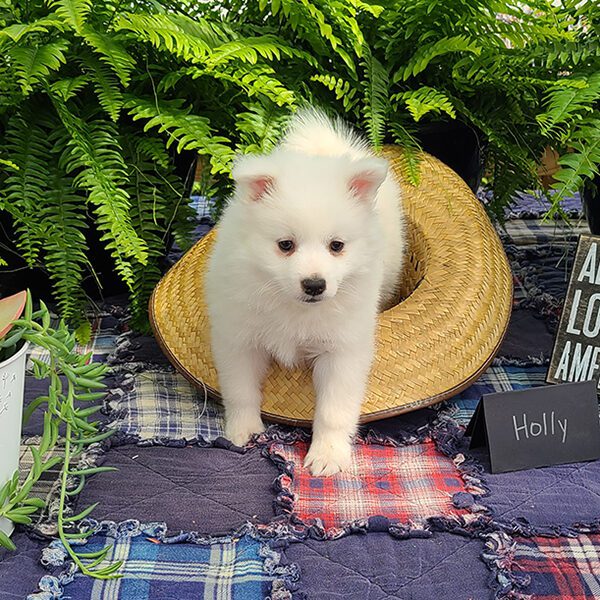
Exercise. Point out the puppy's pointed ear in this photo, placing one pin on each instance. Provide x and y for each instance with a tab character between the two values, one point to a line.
254	176
366	175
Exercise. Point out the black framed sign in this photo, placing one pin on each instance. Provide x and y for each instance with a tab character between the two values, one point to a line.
576	353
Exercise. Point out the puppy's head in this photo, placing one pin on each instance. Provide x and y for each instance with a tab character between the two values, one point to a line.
310	221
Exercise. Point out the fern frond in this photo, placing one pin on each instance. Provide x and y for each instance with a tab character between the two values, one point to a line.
410	159
261	127
65	246
34	63
425	100
106	87
74	12
158	210
18	31
188	131
165	33
112	53
93	155
564	105
422	58
68	87
376	99
581	163
344	90
250	50
26	188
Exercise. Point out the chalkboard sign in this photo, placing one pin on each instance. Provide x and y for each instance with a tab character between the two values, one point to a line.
538	427
576	354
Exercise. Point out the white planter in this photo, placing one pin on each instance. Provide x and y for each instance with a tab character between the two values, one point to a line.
12	384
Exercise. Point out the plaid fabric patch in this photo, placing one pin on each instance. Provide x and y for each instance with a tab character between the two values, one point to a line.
232	570
405	484
533	232
165	406
560	568
495	379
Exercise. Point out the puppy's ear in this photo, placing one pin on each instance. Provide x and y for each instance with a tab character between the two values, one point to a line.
366	175
254	176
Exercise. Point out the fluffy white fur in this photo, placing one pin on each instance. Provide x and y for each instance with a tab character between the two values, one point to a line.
321	184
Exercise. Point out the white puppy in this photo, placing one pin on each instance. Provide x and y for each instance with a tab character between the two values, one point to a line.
309	247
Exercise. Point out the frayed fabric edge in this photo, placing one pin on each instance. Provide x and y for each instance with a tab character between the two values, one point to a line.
446	438
284	585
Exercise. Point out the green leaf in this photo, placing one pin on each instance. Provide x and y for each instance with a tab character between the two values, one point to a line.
82	515
6	541
92	471
11	308
18	518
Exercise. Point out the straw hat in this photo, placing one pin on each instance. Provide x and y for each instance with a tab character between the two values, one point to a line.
457	291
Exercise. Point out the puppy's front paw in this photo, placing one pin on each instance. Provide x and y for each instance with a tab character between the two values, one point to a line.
240	430
328	456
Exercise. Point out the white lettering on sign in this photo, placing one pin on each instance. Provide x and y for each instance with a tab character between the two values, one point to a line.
578	362
547	427
589	269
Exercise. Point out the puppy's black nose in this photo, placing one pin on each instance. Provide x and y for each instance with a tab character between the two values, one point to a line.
313	287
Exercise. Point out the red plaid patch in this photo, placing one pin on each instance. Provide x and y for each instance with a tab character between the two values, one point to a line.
560	568
405	484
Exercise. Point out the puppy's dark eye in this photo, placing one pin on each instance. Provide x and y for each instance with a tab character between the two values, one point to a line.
286	246
336	246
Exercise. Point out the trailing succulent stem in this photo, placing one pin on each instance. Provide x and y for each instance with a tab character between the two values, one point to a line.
74	386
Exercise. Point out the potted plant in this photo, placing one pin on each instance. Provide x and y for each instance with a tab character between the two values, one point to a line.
74	387
13	353
98	102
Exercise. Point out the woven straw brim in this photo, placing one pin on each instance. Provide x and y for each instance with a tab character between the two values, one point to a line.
457	287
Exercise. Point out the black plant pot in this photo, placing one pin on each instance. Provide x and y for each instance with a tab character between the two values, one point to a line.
591	204
457	145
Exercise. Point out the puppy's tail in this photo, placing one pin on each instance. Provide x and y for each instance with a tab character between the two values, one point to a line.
311	131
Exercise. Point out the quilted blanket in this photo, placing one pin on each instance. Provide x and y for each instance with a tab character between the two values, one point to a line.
418	516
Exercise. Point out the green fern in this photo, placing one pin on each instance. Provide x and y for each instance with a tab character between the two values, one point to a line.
565	104
376	99
158	210
261	127
18	31
65	247
106	86
188	131
344	90
410	159
425	100
250	50
112	53
26	188
427	53
68	87
581	163
165	33
73	12
93	155
34	63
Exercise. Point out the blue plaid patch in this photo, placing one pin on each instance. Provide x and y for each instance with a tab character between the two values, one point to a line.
165	406
495	379
228	568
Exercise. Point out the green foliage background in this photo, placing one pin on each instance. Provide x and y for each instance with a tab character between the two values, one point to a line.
97	98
